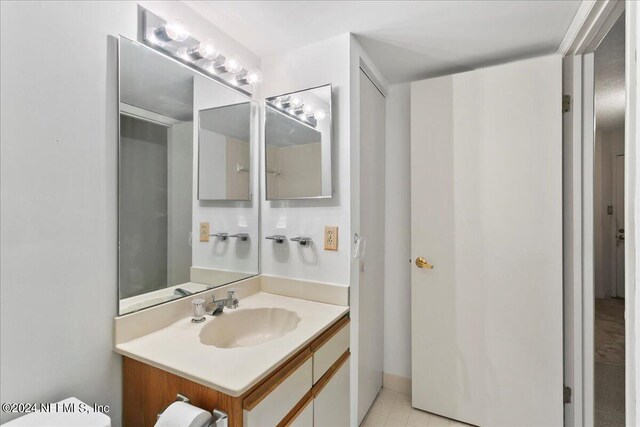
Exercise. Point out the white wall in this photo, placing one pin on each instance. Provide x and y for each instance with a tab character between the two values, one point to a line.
180	188
397	273
313	65
58	282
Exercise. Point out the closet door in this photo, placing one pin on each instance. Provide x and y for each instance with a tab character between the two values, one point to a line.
486	208
371	286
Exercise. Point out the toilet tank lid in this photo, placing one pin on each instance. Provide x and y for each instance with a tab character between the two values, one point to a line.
71	412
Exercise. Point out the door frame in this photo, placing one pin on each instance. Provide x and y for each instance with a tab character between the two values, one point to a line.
590	25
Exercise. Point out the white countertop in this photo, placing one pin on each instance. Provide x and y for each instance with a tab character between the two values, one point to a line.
233	371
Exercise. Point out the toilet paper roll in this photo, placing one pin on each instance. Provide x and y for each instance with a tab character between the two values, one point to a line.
181	414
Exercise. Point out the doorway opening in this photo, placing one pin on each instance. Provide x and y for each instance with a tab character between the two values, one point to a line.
609	248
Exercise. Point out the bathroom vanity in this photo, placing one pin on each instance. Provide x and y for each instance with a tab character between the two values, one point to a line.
274	361
189	228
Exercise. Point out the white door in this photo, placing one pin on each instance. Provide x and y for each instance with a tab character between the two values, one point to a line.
618	212
371	286
486	212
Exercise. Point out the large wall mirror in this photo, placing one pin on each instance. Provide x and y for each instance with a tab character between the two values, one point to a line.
298	145
186	158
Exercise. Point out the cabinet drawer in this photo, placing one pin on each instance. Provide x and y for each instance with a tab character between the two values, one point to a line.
275	398
331	396
329	347
301	415
305	418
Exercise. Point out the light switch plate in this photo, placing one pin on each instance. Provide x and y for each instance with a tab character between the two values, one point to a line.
330	238
204	231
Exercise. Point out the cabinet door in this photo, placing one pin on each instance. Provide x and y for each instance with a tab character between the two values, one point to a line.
331	404
280	397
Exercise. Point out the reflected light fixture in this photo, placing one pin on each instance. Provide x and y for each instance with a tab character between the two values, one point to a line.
285	102
320	114
296	101
294	106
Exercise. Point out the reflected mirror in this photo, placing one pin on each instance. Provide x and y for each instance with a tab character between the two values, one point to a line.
225	152
165	109
298	145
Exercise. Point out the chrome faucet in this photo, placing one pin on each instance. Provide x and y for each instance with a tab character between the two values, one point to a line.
179	292
216	307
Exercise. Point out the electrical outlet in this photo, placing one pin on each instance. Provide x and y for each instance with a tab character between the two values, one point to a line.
331	238
204	231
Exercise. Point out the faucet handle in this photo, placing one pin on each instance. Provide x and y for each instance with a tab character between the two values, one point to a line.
232	300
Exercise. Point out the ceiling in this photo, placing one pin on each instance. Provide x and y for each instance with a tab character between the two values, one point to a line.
609	63
284	131
230	120
407	40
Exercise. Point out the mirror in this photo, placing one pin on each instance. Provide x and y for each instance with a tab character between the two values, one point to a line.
171	121
298	145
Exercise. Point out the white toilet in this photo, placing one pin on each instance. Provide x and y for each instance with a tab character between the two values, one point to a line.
66	413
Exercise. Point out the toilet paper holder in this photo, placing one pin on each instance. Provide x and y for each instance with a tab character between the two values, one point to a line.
220	418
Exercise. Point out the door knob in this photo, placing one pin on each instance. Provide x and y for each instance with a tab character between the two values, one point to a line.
422	262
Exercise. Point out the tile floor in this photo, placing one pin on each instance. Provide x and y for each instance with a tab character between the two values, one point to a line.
393	409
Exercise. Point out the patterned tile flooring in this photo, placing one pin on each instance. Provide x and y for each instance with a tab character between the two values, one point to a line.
393	409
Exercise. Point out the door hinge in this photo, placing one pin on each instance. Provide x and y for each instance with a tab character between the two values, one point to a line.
566	394
566	103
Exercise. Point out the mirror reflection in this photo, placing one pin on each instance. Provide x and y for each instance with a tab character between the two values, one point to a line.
162	254
298	145
225	152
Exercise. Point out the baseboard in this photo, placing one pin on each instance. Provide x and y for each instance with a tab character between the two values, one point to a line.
396	383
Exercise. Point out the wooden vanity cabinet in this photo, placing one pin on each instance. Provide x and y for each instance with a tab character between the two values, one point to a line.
309	389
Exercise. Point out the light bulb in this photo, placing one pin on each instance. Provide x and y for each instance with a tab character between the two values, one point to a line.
296	101
176	31
308	110
320	114
254	77
232	64
204	50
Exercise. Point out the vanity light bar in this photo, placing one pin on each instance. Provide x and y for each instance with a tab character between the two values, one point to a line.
173	38
294	106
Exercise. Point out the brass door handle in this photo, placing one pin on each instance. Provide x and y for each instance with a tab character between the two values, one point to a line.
422	262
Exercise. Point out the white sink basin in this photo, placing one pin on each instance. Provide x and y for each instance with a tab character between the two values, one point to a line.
248	328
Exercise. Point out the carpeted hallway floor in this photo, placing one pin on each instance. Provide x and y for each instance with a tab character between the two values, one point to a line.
609	362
